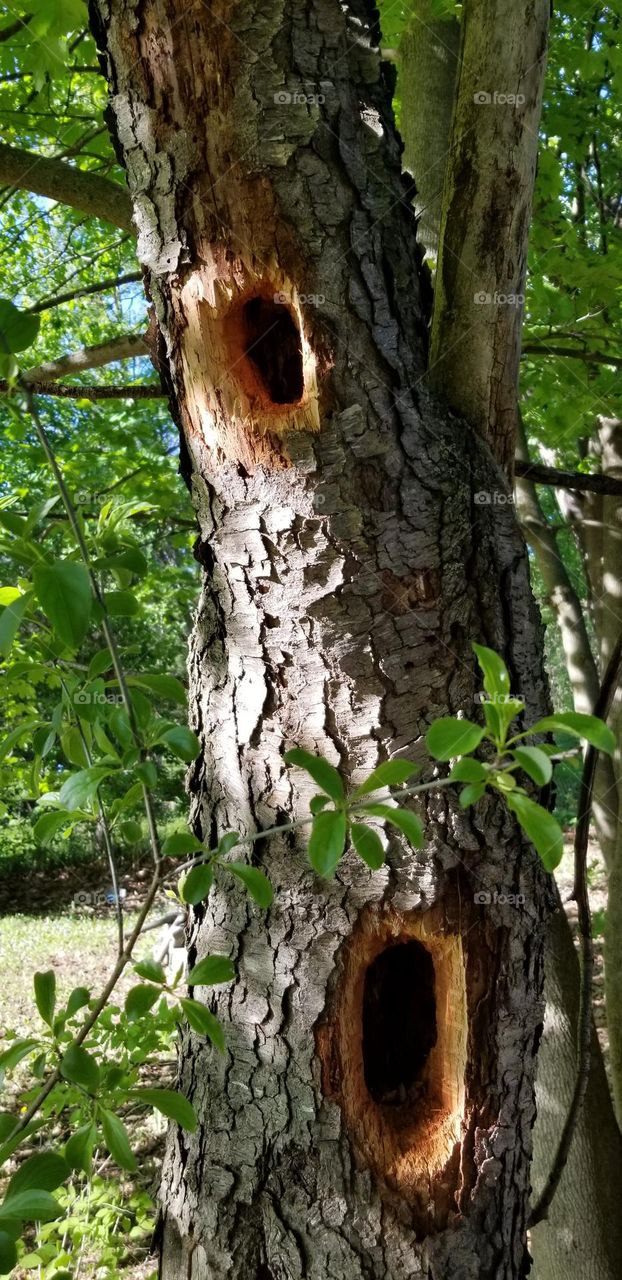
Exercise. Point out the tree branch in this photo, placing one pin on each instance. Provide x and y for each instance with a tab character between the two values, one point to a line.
590	357
137	391
123	348
113	282
98	197
20	24
539	474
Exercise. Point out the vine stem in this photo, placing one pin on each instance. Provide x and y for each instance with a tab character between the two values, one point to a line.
282	828
122	961
602	707
106	628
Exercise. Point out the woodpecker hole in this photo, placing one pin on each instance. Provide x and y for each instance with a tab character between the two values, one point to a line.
399	1024
272	344
392	1044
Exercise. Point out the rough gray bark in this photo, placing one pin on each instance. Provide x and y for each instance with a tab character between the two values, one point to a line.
428	58
89	192
348	567
480	280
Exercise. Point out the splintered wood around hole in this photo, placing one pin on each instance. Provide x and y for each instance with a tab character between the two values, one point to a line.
249	364
393	1052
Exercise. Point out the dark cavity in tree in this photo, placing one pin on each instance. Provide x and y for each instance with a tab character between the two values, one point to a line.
399	1023
272	342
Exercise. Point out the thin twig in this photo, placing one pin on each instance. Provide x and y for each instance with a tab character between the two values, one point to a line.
134	391
284	827
581	896
540	474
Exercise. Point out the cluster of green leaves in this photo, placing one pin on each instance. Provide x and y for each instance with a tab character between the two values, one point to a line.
99	1076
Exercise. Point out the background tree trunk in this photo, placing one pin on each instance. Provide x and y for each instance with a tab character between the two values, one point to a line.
429	51
347	570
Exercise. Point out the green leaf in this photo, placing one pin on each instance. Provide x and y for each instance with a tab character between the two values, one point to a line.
535	763
327	841
404	819
471	794
45	1171
171	1103
147	773
78	791
204	1021
150	969
78	999
30	1206
540	826
80	1067
466	770
181	843
10	621
449	737
100	662
117	1141
196	884
139	1000
590	728
389	774
45	995
317	803
79	1147
8	1253
256	882
18	1050
48	825
182	742
494	670
368	844
74	747
120	604
211	971
323	773
168	687
228	842
18	329
63	590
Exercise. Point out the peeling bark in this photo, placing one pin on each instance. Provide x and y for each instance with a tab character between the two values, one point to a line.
349	562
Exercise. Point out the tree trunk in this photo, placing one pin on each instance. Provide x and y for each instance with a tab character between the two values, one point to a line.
581	1239
429	51
347	570
480	280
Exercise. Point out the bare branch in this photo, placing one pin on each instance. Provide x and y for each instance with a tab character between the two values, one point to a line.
7	33
123	348
98	197
135	391
566	479
575	353
113	282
